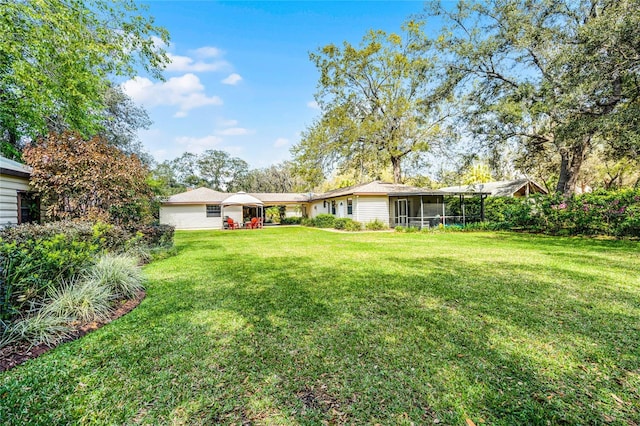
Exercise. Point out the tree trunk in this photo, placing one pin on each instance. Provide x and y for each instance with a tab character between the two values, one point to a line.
397	172
570	164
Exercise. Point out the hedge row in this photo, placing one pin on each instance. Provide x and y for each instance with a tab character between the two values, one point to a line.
344	223
599	213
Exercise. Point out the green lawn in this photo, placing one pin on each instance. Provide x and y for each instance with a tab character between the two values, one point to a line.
304	326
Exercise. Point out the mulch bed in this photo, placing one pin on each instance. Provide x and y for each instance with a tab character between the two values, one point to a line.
17	353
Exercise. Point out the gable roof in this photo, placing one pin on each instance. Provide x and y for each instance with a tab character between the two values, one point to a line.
13	168
378	188
503	188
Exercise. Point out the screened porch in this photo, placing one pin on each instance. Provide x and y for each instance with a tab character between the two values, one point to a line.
432	209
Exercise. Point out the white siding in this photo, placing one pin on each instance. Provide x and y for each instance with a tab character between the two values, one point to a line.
189	217
317	208
234	212
293	211
369	208
9	187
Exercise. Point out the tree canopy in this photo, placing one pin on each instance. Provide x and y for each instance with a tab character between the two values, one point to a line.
88	179
56	58
381	105
556	75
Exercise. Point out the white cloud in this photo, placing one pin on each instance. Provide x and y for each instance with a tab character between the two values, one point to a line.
180	63
234	131
208	52
233	79
313	105
186	92
227	123
280	142
198	145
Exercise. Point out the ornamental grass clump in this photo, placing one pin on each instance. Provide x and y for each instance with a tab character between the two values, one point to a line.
83	301
41	328
119	273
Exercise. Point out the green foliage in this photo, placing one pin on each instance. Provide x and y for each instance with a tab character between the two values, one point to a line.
554	78
324	220
41	328
341	222
79	300
376	225
614	213
353	226
381	105
307	221
56	57
119	273
291	221
36	258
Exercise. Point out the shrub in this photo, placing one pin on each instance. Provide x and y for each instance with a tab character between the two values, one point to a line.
353	226
157	235
307	221
291	221
84	301
341	222
119	273
376	225
324	221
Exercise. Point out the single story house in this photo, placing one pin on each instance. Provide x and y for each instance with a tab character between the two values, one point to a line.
504	188
17	203
393	204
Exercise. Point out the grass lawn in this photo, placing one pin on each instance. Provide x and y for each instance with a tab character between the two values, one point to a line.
304	326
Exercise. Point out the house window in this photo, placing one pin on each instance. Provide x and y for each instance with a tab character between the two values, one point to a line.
333	207
213	211
349	206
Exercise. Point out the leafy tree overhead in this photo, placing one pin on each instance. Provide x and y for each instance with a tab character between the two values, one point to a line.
381	105
558	76
56	57
88	179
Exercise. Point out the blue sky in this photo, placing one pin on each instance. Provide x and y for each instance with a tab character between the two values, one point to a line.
240	78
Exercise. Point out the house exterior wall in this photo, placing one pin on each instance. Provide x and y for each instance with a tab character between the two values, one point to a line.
9	187
317	208
369	208
192	216
293	211
234	212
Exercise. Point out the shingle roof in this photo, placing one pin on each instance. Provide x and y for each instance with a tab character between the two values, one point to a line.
10	167
375	188
198	196
503	188
273	197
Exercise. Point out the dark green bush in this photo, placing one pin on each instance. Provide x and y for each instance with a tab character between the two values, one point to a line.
353	226
157	235
307	221
615	213
291	221
324	221
341	222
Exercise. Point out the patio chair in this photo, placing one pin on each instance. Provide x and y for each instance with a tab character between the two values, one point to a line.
258	223
232	224
254	223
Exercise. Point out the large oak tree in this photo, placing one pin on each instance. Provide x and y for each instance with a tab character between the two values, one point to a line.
555	76
380	102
